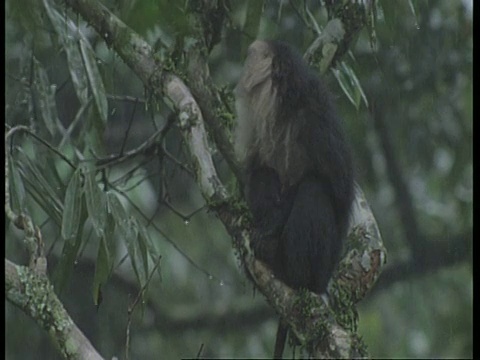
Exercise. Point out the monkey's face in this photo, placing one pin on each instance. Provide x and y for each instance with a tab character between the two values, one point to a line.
255	101
257	69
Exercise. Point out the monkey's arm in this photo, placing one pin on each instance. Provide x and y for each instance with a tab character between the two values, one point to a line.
270	208
264	197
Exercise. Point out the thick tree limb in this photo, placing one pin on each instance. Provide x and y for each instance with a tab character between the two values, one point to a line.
33	293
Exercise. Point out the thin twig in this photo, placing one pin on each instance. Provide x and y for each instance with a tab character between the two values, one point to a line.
125	98
128	128
132	307
23	128
143	148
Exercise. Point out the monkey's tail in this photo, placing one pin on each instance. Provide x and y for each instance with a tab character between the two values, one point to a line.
282	331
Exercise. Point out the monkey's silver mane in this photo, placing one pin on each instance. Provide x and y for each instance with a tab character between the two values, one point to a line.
260	131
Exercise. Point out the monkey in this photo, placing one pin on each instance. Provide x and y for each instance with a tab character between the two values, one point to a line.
298	168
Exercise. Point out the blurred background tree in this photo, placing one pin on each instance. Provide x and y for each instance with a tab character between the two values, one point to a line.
405	92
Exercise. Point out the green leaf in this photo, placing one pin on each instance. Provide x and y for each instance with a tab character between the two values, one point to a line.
96	203
95	80
56	20
45	97
146	241
117	210
17	190
102	271
120	217
412	9
356	85
129	232
142	242
132	247
93	131
53	177
72	206
110	234
68	33
77	71
40	188
70	251
350	84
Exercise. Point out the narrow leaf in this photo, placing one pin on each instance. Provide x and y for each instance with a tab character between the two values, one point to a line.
142	241
72	206
77	71
110	234
133	251
102	271
350	84
45	97
17	190
342	81
129	232
355	83
93	131
96	203
95	80
68	33
70	251
57	21
115	207
120	217
39	188
150	247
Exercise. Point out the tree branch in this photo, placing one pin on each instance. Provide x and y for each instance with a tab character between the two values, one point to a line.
33	293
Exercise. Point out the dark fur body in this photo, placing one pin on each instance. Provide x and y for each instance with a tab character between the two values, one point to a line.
299	177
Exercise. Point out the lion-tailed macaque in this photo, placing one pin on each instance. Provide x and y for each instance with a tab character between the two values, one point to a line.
298	168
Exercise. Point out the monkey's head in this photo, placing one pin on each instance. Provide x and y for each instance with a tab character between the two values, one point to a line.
257	68
270	95
255	98
277	66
